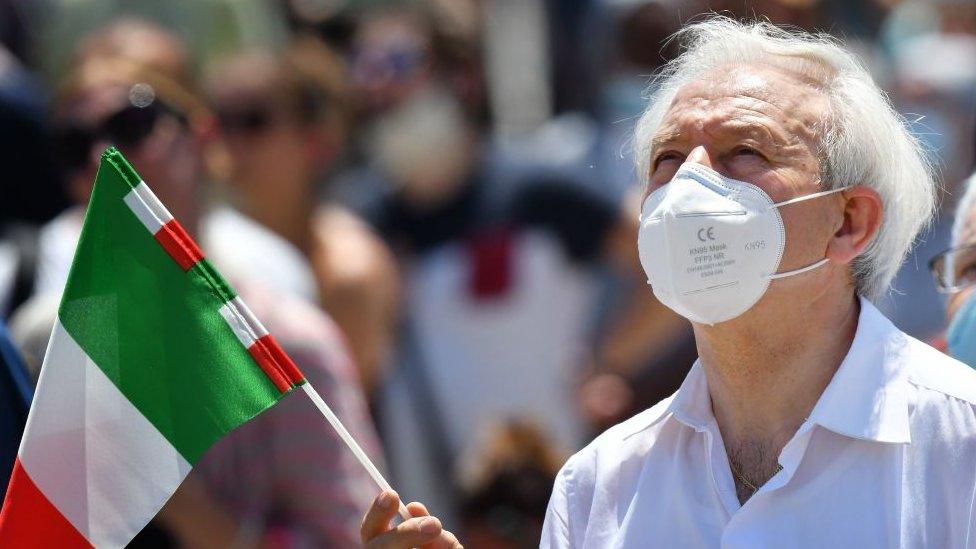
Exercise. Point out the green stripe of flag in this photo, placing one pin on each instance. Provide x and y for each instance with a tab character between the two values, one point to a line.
154	329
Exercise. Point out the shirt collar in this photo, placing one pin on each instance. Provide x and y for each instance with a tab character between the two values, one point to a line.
692	404
868	396
866	399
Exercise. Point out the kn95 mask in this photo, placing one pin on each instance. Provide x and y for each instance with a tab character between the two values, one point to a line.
710	245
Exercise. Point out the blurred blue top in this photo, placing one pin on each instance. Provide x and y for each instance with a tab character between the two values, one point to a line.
15	397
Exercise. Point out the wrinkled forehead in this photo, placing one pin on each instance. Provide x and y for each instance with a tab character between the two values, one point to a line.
767	94
772	78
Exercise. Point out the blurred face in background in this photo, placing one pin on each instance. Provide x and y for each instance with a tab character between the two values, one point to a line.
955	274
276	145
152	134
391	60
418	131
638	34
964	267
424	145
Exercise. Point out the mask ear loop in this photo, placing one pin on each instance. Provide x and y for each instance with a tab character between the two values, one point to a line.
808	197
801	270
823	261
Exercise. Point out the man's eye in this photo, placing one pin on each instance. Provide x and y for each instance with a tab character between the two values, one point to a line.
746	151
665	156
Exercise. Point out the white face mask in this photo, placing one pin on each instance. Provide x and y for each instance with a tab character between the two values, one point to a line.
710	245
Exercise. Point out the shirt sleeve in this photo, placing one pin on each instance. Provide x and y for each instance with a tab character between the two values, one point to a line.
320	490
971	529
555	529
286	473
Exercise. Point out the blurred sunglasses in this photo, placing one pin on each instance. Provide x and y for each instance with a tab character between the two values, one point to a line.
954	269
127	127
250	120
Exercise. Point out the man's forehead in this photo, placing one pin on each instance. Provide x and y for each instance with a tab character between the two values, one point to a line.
735	91
780	87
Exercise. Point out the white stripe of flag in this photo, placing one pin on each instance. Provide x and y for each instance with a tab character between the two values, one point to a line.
87	448
242	321
147	207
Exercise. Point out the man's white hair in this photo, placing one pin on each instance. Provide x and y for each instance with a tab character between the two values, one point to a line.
863	140
964	210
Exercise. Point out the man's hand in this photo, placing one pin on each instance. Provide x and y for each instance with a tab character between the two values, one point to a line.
422	531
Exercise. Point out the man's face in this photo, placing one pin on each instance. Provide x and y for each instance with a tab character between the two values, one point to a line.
968	237
758	125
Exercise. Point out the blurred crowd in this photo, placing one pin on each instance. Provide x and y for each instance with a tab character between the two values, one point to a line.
430	203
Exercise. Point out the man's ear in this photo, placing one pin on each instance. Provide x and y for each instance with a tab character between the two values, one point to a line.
862	214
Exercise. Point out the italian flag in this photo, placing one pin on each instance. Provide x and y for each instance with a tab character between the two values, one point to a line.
152	360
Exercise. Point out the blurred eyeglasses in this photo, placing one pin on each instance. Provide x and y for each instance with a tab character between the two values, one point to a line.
127	127
954	269
387	66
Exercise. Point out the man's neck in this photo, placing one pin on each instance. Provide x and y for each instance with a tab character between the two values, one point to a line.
288	216
767	370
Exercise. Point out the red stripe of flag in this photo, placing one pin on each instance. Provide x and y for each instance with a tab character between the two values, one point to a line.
262	355
29	520
178	244
288	367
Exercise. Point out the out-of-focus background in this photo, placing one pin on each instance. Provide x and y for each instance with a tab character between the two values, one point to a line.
432	204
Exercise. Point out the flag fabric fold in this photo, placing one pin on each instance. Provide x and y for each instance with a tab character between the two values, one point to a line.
153	359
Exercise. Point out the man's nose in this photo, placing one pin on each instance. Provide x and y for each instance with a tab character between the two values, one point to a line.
699	155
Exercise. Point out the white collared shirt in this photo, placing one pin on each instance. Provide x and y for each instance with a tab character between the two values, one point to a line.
887	458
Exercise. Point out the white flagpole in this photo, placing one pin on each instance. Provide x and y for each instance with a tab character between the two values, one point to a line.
351	443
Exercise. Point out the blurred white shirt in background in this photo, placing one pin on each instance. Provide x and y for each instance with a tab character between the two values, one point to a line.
233	241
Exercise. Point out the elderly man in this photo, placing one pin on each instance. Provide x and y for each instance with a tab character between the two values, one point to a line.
955	274
782	193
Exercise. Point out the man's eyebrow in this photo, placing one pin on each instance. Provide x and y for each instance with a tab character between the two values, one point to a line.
765	135
762	133
661	139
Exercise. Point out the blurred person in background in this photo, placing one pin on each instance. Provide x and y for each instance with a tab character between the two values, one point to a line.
803	14
284	478
930	50
15	389
955	274
636	42
284	121
31	186
507	480
500	269
134	44
77	132
634	32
